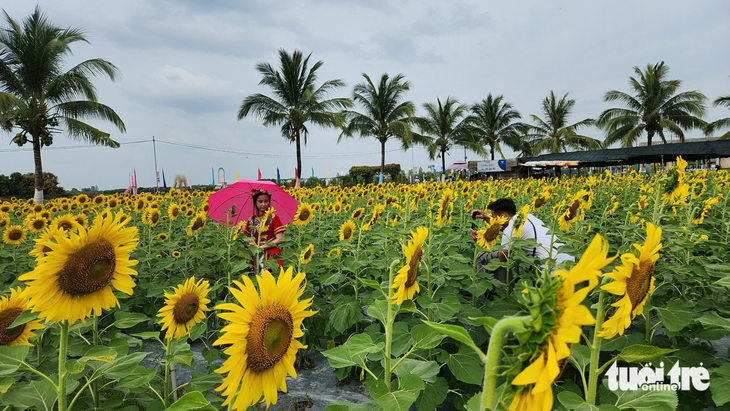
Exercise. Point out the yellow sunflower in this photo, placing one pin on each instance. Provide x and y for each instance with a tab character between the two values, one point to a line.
35	222
347	230
99	200
487	236
445	207
176	254
358	213
407	278
184	307
307	254
378	211
633	282
173	210
41	250
536	380
77	275
66	223
112	203
240	228
333	253
266	220
162	236
304	214
14	235
262	337
151	217
10	309
520	221
196	224
81	219
4	220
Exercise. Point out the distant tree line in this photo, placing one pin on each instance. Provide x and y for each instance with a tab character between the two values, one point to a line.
23	185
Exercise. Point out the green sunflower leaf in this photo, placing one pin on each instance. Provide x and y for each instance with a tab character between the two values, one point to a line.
23	318
642	353
191	401
675	316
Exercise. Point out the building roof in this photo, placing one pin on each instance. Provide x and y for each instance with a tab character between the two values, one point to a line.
659	153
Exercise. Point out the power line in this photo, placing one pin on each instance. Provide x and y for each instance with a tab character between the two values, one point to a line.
10	150
216	149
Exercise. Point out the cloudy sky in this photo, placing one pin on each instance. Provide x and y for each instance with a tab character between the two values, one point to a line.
188	64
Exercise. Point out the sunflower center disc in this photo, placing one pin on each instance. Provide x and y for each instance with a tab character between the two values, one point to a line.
269	337
347	233
308	255
186	308
15	235
304	215
89	269
8	335
413	267
638	285
197	224
39	224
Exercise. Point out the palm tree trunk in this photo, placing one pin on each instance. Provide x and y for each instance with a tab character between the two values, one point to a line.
443	161
38	197
382	158
649	136
491	148
299	154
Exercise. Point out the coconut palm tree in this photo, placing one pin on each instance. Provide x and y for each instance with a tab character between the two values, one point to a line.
654	108
721	123
446	125
386	115
494	121
297	100
553	134
38	98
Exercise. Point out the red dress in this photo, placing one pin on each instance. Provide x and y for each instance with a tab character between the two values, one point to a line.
276	227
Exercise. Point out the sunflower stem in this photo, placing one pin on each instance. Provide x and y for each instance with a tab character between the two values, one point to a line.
389	325
95	386
62	348
491	359
167	373
596	350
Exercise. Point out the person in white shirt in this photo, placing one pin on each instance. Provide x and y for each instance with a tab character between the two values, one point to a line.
533	228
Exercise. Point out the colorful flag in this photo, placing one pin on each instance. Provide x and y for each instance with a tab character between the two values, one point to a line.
164	184
212	174
259	174
342	171
237	175
328	172
278	176
380	180
312	171
296	177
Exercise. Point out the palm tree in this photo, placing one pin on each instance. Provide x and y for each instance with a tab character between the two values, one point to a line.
385	115
494	121
653	108
297	100
721	123
446	125
37	96
553	134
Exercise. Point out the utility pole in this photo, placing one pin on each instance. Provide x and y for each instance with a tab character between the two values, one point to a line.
157	174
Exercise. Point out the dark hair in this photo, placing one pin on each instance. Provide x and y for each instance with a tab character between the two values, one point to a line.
256	195
503	205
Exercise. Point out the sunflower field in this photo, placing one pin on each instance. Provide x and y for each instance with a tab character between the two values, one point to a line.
382	280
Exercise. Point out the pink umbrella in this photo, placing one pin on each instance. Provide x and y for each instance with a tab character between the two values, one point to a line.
234	203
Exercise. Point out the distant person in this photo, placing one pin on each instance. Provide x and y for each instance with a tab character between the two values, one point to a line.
267	242
533	228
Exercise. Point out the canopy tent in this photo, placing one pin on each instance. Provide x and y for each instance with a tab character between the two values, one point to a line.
458	166
660	153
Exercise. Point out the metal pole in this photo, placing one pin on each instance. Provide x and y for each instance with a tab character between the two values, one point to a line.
157	176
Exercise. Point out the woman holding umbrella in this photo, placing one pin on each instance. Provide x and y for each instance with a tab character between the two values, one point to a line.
267	240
